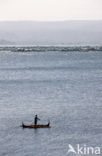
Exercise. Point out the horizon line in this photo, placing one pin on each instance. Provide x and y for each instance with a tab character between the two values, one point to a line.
76	20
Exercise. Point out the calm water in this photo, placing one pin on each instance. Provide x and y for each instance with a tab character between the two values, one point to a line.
63	87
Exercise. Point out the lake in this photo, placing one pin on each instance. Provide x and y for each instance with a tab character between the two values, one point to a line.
63	87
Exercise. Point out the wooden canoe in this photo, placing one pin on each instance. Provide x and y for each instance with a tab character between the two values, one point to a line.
35	126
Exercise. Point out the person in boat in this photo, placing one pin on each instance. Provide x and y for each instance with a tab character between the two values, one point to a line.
36	120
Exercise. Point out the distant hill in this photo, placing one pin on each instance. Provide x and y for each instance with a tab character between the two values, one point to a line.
6	42
51	33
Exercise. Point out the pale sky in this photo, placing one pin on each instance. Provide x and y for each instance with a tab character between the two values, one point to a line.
50	10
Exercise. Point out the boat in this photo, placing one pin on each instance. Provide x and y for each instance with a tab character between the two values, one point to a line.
35	126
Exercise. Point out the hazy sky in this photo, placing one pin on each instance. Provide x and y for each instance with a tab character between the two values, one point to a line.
50	10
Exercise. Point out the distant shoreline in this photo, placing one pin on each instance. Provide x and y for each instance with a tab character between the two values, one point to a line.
49	48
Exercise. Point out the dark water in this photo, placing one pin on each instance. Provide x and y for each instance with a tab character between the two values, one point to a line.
65	88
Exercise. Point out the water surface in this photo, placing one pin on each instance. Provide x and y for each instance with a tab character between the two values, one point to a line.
63	87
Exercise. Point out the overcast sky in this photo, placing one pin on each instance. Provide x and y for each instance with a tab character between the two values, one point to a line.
50	10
